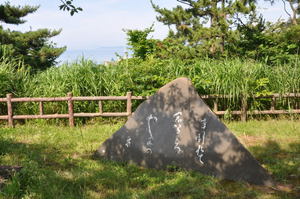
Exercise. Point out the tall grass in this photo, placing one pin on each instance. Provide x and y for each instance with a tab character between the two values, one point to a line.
285	78
233	77
13	76
230	77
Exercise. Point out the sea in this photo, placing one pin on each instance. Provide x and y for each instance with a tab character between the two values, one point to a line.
99	55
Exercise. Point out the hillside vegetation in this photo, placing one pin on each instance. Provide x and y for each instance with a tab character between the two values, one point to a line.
233	77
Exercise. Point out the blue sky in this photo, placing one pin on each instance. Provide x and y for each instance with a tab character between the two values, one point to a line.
102	21
100	24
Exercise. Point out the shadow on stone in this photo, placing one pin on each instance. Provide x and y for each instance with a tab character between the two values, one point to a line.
176	127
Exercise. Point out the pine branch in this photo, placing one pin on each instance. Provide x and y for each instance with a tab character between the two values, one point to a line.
13	14
185	2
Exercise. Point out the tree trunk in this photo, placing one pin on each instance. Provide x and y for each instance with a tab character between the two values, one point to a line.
222	44
294	15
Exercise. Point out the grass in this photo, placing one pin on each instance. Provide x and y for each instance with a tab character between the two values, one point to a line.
235	77
57	164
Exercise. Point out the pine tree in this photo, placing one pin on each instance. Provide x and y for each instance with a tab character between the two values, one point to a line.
32	47
203	25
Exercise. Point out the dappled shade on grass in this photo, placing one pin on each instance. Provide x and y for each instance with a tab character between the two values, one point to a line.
58	164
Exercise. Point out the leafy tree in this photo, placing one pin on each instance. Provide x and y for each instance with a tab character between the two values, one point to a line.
202	25
266	41
33	47
141	45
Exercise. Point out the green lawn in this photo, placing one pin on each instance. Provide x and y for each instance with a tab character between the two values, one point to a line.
58	164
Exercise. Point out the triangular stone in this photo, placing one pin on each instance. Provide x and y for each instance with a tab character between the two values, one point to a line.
176	127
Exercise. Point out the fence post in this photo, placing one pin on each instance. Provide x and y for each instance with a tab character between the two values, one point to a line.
129	104
9	110
216	105
71	110
41	108
273	103
100	107
244	108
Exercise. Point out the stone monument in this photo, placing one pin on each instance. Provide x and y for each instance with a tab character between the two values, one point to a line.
176	127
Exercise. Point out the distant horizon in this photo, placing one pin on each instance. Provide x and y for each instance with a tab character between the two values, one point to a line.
99	54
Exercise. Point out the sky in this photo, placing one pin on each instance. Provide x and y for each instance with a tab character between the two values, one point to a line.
102	22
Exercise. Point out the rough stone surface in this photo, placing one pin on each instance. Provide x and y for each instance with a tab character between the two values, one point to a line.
175	127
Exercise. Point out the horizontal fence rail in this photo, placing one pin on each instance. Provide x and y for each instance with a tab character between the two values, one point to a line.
10	117
244	105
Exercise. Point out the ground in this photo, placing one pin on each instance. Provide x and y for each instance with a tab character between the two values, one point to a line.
57	163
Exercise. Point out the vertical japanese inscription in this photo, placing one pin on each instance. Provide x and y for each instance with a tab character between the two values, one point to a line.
150	139
177	125
128	142
201	140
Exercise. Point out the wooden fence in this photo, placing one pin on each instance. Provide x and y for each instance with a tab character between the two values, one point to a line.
10	117
244	105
